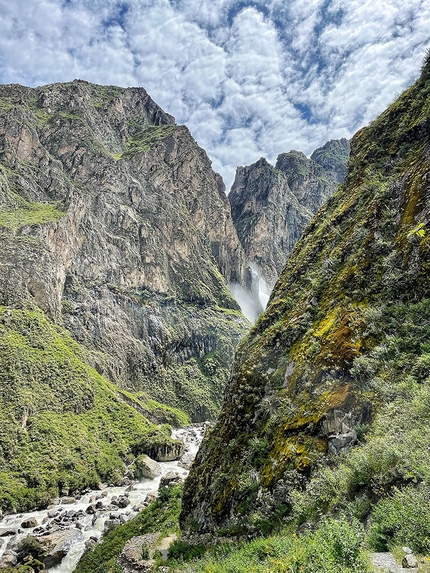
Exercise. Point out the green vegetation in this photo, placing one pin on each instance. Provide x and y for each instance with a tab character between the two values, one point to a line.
145	138
64	427
30	214
345	337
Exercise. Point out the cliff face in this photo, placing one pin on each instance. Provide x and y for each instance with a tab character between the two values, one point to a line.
344	341
271	206
113	222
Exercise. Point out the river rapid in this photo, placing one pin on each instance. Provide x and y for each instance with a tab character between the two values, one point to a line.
84	526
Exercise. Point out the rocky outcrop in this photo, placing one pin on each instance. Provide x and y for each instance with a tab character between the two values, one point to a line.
337	342
271	206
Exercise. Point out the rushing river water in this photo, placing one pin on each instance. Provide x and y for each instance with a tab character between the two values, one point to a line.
88	526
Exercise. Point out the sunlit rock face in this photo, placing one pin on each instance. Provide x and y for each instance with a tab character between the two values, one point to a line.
271	206
113	222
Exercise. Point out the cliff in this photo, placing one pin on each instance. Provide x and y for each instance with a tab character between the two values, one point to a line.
114	232
339	358
271	206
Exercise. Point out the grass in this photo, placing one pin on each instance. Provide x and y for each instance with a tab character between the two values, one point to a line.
30	214
64	427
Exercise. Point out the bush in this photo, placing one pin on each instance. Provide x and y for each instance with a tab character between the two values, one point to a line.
403	518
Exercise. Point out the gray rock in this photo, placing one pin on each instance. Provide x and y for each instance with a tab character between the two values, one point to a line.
187	460
58	545
170	479
8	559
409	561
6	531
147	467
68	500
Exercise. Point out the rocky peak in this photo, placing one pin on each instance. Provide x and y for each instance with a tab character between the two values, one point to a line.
271	206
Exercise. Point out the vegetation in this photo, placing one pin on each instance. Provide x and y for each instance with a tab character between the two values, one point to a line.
30	214
161	516
64	427
342	347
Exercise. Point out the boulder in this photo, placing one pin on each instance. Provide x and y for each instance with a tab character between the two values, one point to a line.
166	452
68	500
410	561
58	545
6	531
131	557
170	479
146	467
186	460
8	559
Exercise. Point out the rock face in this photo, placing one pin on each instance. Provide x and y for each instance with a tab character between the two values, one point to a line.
115	231
113	222
271	206
330	343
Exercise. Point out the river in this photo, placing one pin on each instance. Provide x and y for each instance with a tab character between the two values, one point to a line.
86	526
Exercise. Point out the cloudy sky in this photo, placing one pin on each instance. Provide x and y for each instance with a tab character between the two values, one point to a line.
249	78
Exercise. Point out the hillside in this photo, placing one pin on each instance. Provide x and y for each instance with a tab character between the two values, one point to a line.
339	359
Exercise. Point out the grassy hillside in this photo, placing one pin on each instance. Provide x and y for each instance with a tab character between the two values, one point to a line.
64	427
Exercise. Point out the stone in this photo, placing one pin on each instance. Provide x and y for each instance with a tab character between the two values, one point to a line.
146	467
187	460
6	531
58	545
170	479
409	561
130	558
8	559
68	500
53	513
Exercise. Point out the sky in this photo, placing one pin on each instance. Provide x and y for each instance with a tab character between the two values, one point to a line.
250	79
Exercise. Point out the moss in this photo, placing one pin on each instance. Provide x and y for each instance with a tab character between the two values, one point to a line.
367	248
30	214
145	138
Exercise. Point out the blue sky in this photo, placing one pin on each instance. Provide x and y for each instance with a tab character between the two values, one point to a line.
249	78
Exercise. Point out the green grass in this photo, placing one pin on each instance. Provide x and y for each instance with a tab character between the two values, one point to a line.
64	427
30	214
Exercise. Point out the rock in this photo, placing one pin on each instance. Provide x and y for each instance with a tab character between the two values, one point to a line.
130	558
53	513
187	460
166	452
68	500
8	559
170	479
91	509
146	467
409	561
6	531
407	550
58	545
90	544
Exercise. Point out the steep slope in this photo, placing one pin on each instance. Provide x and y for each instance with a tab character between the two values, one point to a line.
341	354
271	206
113	222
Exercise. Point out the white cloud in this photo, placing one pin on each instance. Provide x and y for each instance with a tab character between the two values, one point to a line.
249	79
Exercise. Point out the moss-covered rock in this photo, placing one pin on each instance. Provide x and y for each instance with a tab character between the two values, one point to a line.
302	390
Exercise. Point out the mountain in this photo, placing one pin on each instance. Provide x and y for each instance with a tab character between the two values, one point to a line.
116	247
339	358
271	206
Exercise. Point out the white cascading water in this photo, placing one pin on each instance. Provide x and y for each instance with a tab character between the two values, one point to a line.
191	437
252	302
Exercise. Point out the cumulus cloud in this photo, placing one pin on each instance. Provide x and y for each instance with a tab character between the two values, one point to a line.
250	78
